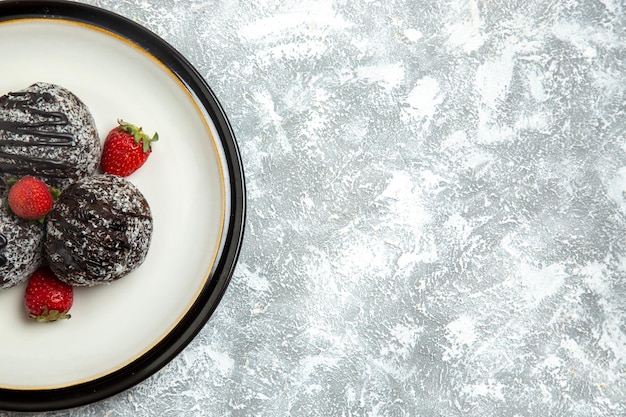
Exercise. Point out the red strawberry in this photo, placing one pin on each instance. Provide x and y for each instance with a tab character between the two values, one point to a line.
31	198
47	298
126	149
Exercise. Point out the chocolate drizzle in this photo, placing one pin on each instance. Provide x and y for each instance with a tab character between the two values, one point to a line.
3	244
42	129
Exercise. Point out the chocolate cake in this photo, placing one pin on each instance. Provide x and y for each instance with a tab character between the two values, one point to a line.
47	132
98	231
21	245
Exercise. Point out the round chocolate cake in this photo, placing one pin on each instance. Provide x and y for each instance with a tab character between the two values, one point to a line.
47	132
21	245
98	231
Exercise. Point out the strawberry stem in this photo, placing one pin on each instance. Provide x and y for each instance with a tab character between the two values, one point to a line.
139	135
55	193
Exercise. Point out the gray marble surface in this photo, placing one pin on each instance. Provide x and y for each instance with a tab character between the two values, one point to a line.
437	209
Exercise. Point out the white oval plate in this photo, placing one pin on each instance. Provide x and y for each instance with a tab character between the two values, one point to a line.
123	332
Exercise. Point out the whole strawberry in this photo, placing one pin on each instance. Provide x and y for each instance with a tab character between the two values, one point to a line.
31	198
46	298
126	148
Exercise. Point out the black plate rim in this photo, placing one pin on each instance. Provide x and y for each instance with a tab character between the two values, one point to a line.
210	296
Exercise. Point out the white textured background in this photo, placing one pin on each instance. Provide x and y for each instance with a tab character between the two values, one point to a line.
437	217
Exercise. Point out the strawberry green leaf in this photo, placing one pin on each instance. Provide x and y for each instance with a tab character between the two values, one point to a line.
55	192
